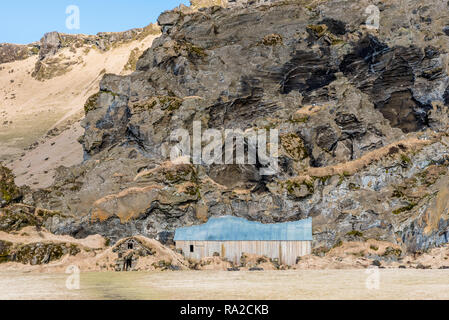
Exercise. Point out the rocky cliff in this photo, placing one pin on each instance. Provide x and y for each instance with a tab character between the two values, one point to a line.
361	112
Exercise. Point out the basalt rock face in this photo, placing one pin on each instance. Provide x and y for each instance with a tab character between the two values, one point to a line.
361	113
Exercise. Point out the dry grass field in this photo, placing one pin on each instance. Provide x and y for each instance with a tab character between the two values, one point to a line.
278	285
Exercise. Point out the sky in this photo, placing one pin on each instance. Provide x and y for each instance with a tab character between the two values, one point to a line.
26	21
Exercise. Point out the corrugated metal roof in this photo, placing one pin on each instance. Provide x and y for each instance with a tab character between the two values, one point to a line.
230	228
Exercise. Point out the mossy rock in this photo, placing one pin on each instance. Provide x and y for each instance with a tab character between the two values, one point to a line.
337	244
91	103
193	190
132	60
44	253
5	251
180	173
187	49
273	40
407	208
34	50
353	187
195	51
405	159
431	174
51	68
323	179
293	146
151	29
298	189
169	104
9	192
17	217
321	31
392	252
318	29
354	235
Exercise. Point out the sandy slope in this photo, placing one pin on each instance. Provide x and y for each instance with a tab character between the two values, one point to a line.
30	108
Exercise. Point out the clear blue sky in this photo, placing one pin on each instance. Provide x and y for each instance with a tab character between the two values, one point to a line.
26	21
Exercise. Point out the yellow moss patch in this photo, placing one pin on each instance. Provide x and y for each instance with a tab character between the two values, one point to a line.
167	103
321	31
273	40
293	146
132	60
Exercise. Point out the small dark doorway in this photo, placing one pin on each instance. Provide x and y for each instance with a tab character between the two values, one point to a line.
191	248
128	264
130	245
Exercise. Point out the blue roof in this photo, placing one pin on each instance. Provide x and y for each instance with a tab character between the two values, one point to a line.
229	228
